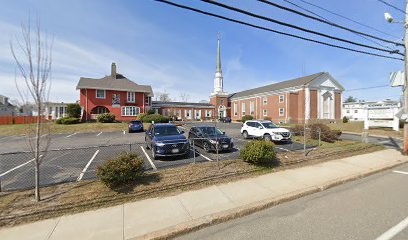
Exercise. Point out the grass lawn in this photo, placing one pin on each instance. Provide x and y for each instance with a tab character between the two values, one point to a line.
19	129
358	127
18	207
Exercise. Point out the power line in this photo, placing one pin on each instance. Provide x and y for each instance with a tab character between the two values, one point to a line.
274	31
349	19
311	12
328	22
294	26
366	88
390	5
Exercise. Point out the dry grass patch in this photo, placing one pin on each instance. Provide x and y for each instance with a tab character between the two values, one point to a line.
18	207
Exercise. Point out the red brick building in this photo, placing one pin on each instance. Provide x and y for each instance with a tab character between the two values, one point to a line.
115	94
309	98
185	110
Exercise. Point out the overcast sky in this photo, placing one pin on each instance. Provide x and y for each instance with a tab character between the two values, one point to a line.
174	50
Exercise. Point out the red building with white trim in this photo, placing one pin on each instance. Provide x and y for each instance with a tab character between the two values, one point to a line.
115	94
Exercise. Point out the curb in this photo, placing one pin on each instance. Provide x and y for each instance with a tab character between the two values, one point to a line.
373	135
238	212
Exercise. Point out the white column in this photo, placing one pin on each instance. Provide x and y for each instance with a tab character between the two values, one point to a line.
307	104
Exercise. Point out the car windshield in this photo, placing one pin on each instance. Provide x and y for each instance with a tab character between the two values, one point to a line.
211	131
269	125
135	122
166	131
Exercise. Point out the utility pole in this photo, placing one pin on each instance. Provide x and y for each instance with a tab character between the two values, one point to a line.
406	79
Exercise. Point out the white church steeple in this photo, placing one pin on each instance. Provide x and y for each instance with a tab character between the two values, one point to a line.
218	80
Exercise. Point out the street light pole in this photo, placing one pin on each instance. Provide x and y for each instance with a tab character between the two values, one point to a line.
406	79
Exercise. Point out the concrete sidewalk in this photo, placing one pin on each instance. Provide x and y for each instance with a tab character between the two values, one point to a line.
164	217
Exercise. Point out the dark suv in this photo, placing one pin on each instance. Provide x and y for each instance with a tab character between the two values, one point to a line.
166	139
210	138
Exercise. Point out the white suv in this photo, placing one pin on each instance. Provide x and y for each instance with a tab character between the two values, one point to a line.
266	130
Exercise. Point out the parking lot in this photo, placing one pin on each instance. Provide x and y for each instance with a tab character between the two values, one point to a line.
76	156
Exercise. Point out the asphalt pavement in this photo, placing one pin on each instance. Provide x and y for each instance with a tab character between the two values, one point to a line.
371	208
76	156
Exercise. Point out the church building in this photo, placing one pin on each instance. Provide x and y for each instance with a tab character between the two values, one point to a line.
308	98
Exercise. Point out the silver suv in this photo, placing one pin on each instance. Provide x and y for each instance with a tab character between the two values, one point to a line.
266	130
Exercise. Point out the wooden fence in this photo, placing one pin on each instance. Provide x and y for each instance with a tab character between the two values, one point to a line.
4	120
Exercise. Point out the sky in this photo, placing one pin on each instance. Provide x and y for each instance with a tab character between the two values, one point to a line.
174	50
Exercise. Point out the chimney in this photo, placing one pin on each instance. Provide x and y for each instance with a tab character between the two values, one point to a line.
113	70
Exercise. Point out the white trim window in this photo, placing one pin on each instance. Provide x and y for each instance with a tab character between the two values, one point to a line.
265	100
235	109
243	108
131	97
281	112
130	111
251	107
281	98
100	93
265	112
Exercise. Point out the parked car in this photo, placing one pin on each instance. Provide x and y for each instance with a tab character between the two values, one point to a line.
266	130
135	126
225	120
210	138
165	140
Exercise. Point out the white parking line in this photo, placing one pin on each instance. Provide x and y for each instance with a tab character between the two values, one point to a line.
385	141
71	135
392	232
124	132
284	149
396	171
148	158
19	166
87	165
207	158
99	134
44	135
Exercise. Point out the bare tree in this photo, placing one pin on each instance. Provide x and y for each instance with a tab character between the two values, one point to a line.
163	97
33	56
184	97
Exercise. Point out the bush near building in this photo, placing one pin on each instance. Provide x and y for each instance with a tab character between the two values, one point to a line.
106	118
246	118
345	119
67	120
259	152
156	118
268	118
74	110
120	170
326	134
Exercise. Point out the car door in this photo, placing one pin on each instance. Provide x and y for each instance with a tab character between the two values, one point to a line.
149	135
257	129
250	128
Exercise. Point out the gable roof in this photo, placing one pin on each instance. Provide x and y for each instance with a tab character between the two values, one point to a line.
120	83
278	86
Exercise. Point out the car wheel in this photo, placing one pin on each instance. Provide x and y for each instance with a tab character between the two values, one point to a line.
245	134
267	137
206	147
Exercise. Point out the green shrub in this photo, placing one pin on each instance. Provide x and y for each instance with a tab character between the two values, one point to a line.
74	110
150	111
268	118
122	169
157	118
106	118
259	152
326	134
345	119
140	116
246	118
67	121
